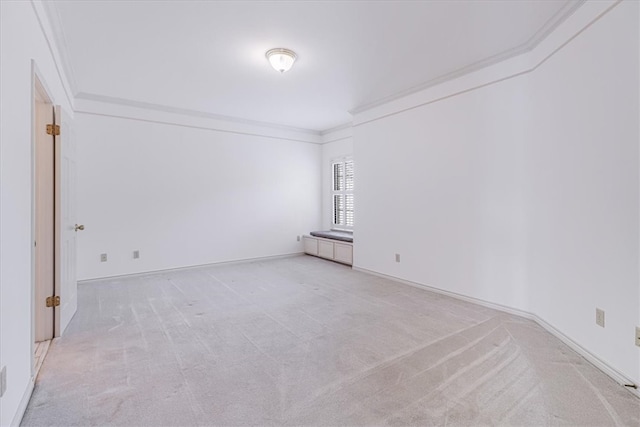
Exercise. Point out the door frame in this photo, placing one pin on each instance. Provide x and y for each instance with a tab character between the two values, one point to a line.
39	89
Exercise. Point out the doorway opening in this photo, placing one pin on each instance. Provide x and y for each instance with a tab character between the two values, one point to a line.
54	287
44	208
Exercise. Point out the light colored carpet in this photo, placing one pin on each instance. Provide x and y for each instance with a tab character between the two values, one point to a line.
303	341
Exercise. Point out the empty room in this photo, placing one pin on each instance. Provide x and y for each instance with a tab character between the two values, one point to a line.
330	213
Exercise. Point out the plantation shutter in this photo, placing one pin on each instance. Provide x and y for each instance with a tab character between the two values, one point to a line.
343	185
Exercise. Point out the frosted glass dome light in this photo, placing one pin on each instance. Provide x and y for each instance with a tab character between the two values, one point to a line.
281	59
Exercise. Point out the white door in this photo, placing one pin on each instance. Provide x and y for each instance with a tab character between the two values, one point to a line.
44	216
66	285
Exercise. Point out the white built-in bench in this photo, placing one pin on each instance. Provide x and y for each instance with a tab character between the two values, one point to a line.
334	245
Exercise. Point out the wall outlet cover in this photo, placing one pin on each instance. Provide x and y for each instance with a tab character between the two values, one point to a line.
397	257
3	380
638	336
103	257
136	254
600	317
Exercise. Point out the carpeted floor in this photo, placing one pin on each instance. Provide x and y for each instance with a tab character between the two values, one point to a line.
302	341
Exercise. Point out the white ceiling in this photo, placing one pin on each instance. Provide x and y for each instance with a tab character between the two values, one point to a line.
208	56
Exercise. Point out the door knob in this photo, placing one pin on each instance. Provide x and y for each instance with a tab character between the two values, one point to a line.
79	227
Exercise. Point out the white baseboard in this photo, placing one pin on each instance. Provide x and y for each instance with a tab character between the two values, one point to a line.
17	418
495	306
616	375
188	267
593	359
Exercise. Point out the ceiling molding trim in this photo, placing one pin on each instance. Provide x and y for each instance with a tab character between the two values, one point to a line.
337	133
336	129
209	128
515	67
554	22
549	27
191	113
48	31
341	138
126	109
57	41
485	63
57	29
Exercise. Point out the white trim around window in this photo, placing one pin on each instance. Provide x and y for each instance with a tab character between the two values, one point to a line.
342	200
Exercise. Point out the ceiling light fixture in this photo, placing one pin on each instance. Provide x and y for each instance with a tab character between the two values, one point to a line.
281	59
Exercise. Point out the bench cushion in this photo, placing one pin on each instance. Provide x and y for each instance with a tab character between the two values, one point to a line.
344	236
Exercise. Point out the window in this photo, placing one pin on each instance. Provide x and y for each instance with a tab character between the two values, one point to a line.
342	171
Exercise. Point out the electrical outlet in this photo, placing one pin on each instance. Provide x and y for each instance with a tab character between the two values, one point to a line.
298	238
103	257
397	257
3	380
600	317
638	336
136	254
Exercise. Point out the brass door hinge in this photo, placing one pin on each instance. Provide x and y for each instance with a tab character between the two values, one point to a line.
53	129
53	301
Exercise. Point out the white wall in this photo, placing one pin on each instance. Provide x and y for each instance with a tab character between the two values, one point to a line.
21	40
520	191
524	192
441	185
188	196
337	144
581	164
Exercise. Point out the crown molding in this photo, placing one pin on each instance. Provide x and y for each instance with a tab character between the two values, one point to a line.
543	32
338	133
54	33
329	135
46	27
192	113
554	22
341	127
145	112
580	20
59	40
